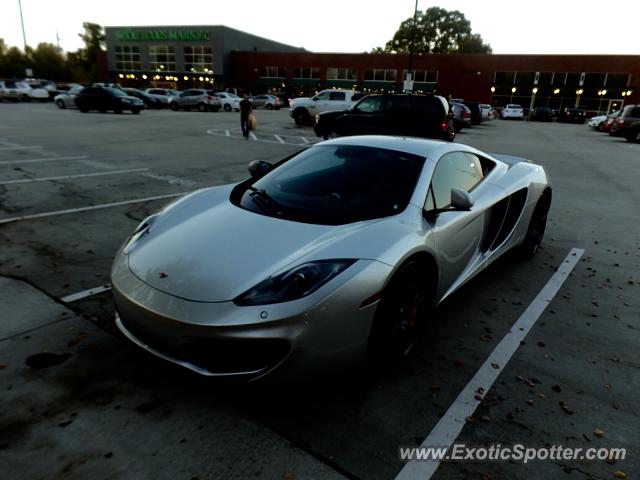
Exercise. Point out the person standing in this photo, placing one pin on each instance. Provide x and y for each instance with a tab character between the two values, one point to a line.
246	107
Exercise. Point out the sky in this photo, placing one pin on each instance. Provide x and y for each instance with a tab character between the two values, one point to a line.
534	26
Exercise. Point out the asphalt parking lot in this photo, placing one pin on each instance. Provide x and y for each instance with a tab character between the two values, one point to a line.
73	186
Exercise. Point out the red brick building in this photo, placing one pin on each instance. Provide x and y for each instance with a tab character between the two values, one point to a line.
593	82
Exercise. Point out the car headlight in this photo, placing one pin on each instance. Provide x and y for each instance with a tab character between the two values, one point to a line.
141	230
125	100
293	284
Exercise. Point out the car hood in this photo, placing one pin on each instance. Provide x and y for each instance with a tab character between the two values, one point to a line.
204	248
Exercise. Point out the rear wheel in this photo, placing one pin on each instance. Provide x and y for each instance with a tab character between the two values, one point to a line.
174	106
84	110
405	301
61	104
227	107
202	107
633	136
115	110
135	111
269	106
301	116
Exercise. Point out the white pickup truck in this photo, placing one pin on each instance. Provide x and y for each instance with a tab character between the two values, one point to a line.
304	110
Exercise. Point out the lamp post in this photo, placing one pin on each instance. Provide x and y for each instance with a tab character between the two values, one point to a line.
409	78
24	36
513	90
578	93
533	98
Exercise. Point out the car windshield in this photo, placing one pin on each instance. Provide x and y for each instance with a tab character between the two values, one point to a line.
514	106
22	85
336	184
115	91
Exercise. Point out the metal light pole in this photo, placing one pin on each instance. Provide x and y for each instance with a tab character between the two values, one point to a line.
24	36
409	77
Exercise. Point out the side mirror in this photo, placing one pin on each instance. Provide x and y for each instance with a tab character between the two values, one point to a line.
461	200
259	168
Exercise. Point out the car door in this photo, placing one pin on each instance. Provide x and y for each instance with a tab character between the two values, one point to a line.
363	119
259	101
457	234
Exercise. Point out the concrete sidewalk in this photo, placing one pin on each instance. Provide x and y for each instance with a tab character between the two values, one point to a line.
79	403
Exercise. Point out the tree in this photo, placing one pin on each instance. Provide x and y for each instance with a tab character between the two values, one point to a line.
95	41
49	62
437	31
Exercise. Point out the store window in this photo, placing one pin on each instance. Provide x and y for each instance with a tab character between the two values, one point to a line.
127	57
306	72
381	74
162	58
428	76
198	59
339	73
271	71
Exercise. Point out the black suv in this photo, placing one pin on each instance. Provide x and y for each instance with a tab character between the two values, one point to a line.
390	114
107	98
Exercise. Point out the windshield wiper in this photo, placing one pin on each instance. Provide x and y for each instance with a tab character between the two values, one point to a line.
262	198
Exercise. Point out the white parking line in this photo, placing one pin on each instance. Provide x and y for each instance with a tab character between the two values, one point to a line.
253	136
65	177
228	133
450	425
21	147
48	159
304	140
86	293
279	138
86	209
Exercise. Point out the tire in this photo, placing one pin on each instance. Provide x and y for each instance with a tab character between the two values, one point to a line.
135	111
103	110
405	301
269	106
115	110
174	106
227	107
60	104
84	110
633	136
202	107
537	226
301	117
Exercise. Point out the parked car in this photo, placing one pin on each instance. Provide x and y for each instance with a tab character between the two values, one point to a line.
230	101
608	123
198	98
596	121
573	115
107	98
270	102
487	112
626	123
26	93
162	94
68	99
541	114
359	238
399	114
149	101
461	115
9	91
48	85
476	112
512	110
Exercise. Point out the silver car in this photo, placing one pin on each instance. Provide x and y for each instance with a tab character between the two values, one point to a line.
202	100
331	258
162	94
68	98
9	91
270	102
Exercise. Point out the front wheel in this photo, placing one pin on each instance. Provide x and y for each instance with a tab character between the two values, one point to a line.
135	111
405	301
227	107
537	227
174	106
60	104
633	137
301	117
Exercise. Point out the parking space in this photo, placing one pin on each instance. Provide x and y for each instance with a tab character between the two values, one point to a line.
67	205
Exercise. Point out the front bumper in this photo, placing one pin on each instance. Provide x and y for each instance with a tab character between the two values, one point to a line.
322	332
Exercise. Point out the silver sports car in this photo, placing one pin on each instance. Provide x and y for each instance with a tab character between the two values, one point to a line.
331	257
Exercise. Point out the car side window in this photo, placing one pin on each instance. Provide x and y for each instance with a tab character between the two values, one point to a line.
340	96
461	170
370	105
323	96
635	112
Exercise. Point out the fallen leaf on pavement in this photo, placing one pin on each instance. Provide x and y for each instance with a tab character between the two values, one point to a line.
495	365
598	432
556	388
619	474
566	408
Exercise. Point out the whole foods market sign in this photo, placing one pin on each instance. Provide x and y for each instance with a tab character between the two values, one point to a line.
162	35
